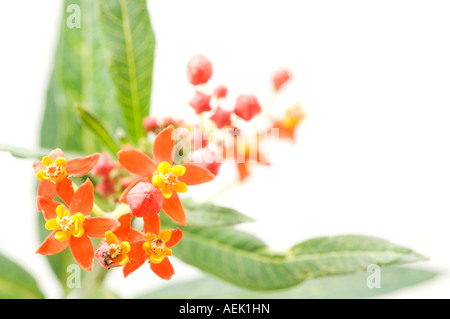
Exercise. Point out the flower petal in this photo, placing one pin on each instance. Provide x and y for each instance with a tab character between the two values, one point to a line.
137	162
123	196
51	245
82	165
97	226
163	146
54	154
47	206
164	269
177	234
46	188
243	171
83	199
173	208
137	257
144	200
122	232
196	174
82	251
65	191
151	224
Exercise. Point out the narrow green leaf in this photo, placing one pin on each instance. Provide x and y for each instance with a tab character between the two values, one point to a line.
16	282
246	261
96	126
130	45
350	286
37	154
210	215
79	76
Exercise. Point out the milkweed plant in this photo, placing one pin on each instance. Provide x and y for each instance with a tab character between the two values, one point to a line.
113	180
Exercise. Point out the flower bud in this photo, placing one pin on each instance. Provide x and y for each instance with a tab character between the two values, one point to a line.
145	200
280	78
199	70
150	124
220	92
104	166
200	102
221	117
247	106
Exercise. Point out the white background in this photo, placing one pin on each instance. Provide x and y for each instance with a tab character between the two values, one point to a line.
373	154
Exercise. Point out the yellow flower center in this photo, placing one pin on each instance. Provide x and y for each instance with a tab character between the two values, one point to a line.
54	172
166	179
66	225
118	251
155	246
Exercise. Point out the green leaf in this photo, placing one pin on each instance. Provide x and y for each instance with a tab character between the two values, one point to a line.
16	282
79	77
130	44
244	260
335	287
96	126
210	215
37	154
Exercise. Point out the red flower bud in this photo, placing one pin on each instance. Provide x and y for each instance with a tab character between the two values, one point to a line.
150	124
208	159
199	70
221	117
247	106
199	140
145	200
200	102
280	78
220	92
104	166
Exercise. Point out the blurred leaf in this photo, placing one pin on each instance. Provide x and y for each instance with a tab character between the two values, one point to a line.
210	215
130	44
36	154
334	287
79	77
96	126
16	282
244	260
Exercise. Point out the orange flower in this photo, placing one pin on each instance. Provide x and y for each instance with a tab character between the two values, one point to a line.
72	227
289	123
53	172
113	252
155	246
160	174
245	151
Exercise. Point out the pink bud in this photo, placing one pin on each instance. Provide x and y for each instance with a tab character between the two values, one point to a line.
105	187
199	70
220	92
104	166
247	106
200	102
145	200
150	124
199	140
221	117
102	254
209	159
280	78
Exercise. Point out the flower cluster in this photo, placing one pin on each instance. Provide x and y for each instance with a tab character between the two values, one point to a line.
71	216
145	182
224	131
